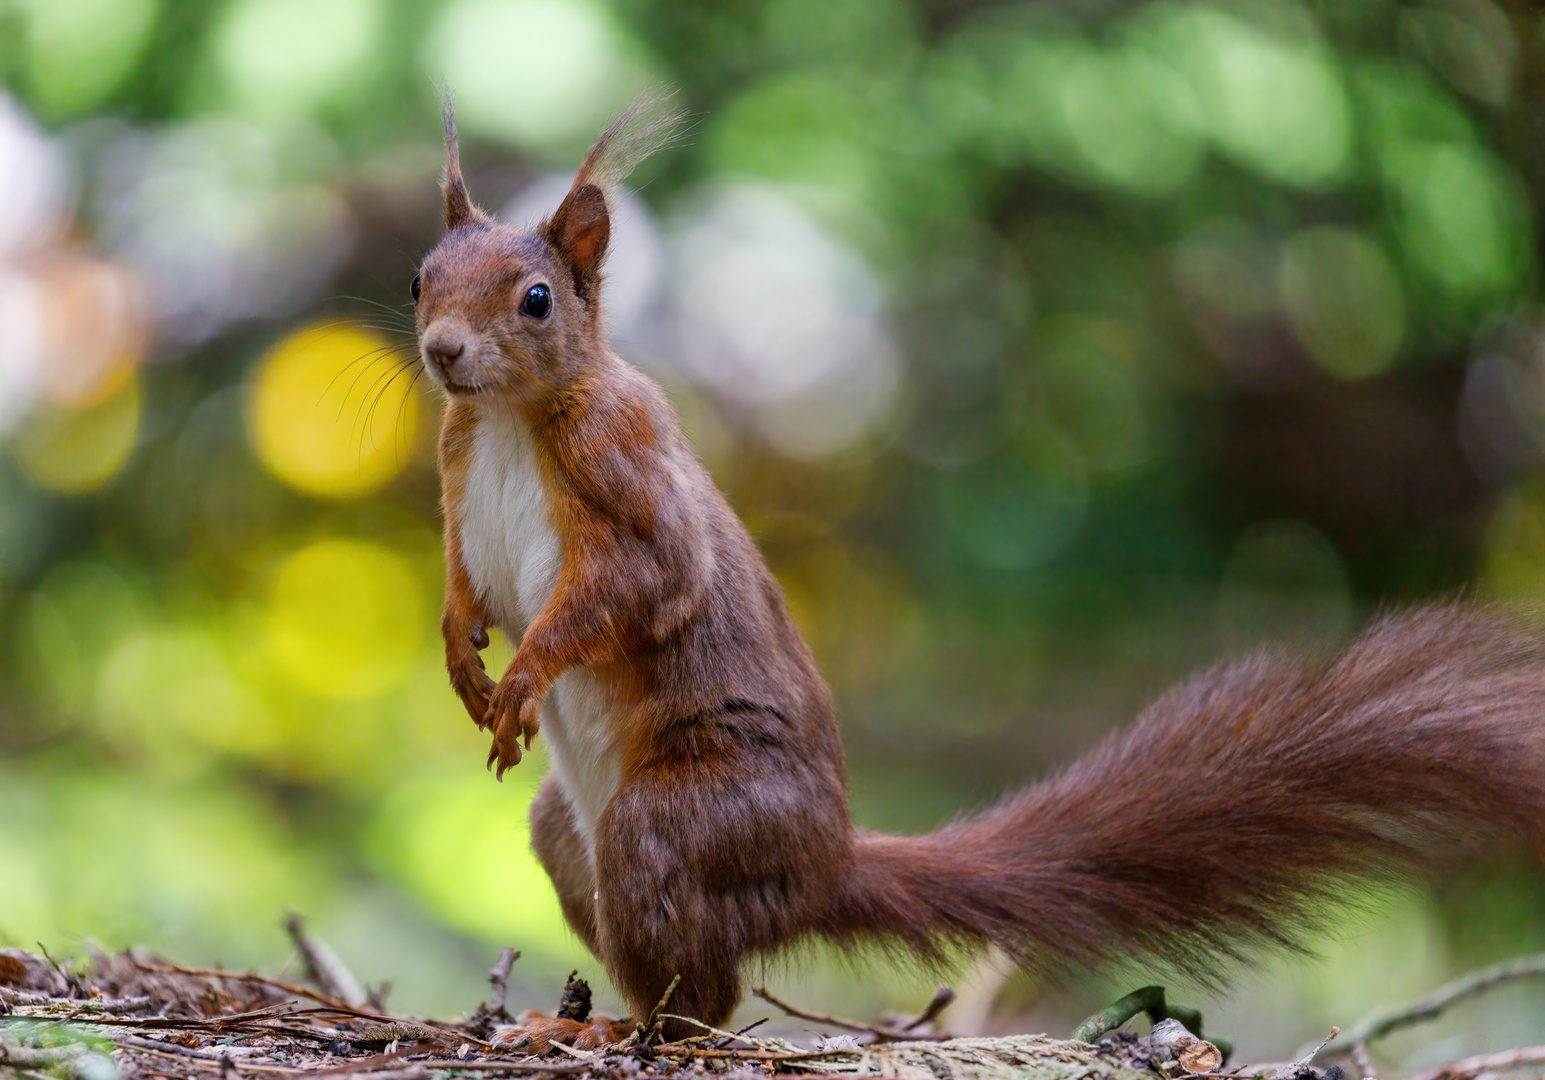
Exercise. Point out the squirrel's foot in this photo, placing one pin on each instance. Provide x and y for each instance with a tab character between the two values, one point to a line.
544	1030
512	714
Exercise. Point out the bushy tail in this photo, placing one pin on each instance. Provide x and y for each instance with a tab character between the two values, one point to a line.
1237	803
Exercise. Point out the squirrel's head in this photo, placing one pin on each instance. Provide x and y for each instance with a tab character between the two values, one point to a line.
516	313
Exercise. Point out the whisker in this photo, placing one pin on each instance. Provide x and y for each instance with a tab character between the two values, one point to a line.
402	407
404	331
349	393
373	356
388	308
375	402
373	396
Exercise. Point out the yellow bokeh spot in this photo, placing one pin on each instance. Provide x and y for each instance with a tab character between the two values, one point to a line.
345	619
333	411
79	450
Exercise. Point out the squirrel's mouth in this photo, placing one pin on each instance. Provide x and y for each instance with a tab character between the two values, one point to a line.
460	389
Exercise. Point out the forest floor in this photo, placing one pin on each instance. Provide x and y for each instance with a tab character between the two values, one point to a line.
131	1016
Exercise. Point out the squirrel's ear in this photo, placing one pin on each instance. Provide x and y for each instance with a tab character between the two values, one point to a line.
458	204
580	230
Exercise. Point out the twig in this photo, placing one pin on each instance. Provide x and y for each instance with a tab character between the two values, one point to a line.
762	1055
1485	1063
582	1055
883	1034
1150	1000
650	1031
323	966
507	1066
376	999
87	1007
943	998
499	977
1293	1068
212	1023
1378	1024
1363	1062
737	1034
71	985
139	1043
249	977
709	1028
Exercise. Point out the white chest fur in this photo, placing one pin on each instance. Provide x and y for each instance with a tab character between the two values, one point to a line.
513	556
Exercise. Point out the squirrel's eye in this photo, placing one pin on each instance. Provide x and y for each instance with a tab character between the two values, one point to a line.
414	287
537	303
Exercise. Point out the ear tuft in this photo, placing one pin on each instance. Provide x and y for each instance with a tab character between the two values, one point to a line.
651	124
580	230
458	204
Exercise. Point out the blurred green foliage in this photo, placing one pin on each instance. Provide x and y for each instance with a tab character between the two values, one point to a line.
1050	349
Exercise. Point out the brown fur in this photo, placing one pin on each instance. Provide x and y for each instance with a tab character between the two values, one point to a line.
1234	804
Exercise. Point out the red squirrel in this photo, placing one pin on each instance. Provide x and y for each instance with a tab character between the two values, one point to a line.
695	813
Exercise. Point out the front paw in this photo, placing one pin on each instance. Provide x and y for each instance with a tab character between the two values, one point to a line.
512	715
472	684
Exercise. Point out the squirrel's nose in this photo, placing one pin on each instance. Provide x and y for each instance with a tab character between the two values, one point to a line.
445	354
444	349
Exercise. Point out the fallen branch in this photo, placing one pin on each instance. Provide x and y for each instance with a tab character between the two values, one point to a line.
1486	1063
499	979
1378	1024
1295	1068
248	977
882	1034
323	966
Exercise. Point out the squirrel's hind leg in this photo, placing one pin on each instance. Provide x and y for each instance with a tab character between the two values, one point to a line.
561	851
701	860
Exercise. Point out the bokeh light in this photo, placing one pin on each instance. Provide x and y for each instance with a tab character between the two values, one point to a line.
345	618
465	850
1461	218
222	218
1020	510
333	411
1271	96
781	315
576	66
1343	300
172	692
1515	547
1285	584
79	450
78	52
293	56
